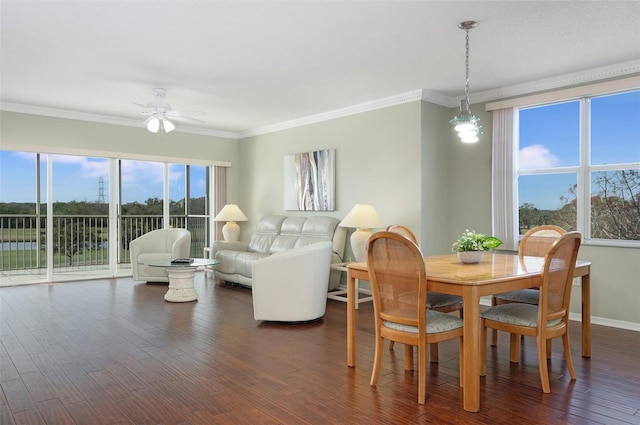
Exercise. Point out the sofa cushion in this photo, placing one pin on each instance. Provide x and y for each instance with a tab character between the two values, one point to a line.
317	229
266	231
289	234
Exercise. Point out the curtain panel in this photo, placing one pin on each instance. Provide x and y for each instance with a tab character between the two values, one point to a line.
504	197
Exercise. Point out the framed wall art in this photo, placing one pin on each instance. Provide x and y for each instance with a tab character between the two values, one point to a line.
309	181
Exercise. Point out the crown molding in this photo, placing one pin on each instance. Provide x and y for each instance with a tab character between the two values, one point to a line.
105	119
563	81
399	99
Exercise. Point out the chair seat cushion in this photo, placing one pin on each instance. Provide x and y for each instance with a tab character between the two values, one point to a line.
150	257
437	300
516	314
528	296
436	322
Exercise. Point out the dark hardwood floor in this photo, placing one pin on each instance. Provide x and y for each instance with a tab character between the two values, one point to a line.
114	352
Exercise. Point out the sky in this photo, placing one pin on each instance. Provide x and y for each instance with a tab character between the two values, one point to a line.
549	137
78	178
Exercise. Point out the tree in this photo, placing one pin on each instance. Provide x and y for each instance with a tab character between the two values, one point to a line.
615	205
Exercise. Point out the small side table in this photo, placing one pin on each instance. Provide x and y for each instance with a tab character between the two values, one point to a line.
341	294
181	278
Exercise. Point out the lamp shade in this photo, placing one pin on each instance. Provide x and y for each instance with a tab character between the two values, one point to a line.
362	216
230	212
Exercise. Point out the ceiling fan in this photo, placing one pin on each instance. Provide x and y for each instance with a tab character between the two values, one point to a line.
159	113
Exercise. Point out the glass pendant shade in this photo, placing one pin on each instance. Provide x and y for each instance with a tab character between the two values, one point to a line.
467	125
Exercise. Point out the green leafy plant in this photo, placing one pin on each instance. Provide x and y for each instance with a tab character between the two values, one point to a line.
470	240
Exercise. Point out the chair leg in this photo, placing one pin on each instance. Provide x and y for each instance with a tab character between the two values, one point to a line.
391	344
567	354
408	357
483	348
514	348
422	374
461	366
433	353
549	349
377	359
494	332
542	364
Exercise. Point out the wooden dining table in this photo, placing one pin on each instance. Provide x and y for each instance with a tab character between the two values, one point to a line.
496	273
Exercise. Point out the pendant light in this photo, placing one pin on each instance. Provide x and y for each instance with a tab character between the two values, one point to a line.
466	124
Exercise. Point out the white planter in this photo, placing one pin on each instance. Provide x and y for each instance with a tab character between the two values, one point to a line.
470	257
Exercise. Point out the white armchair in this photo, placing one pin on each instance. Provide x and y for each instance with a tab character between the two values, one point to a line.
158	245
291	286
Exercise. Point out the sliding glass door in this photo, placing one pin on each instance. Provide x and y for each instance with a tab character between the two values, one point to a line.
71	217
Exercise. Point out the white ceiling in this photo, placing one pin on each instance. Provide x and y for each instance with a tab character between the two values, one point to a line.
253	65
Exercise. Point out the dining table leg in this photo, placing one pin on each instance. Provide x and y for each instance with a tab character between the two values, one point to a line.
351	319
471	347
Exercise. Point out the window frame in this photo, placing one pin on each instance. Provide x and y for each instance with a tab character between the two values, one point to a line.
584	169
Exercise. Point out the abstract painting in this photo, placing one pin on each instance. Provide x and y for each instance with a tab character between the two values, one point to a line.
309	181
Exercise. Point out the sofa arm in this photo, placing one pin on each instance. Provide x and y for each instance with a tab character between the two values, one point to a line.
291	286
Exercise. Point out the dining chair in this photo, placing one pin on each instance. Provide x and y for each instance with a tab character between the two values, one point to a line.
546	320
399	287
536	242
437	301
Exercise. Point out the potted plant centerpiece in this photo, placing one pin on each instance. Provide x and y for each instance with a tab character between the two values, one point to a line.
471	246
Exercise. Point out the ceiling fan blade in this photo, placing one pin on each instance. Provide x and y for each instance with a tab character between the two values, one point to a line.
185	113
187	119
142	105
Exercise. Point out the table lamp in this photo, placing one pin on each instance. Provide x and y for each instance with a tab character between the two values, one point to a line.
363	217
231	213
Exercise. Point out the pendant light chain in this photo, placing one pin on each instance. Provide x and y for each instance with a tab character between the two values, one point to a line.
466	84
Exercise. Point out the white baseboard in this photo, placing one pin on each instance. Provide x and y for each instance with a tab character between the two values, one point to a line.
595	320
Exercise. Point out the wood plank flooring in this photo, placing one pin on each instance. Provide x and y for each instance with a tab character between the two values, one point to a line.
114	352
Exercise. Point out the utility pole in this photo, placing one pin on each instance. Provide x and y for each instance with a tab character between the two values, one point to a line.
101	190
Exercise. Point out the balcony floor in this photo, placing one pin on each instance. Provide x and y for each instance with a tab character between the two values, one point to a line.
67	274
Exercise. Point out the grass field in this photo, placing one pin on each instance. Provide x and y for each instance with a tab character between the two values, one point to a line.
27	259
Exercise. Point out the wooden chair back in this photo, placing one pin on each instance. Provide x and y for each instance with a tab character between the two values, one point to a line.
404	231
557	277
538	240
398	281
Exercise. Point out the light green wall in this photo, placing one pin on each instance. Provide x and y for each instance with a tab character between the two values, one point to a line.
404	159
377	163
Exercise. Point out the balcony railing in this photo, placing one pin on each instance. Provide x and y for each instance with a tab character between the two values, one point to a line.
82	240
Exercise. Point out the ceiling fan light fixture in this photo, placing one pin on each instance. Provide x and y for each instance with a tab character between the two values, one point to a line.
153	124
466	124
167	125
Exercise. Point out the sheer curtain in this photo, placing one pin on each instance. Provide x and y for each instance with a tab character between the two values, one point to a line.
219	197
504	196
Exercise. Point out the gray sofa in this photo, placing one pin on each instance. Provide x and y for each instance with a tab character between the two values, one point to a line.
275	234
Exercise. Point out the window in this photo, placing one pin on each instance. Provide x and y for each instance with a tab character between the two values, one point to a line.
578	166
